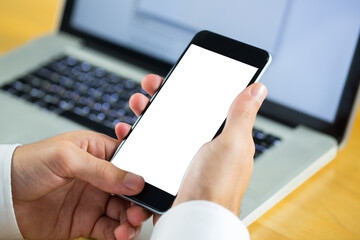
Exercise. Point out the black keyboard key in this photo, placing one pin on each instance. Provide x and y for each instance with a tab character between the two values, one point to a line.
90	124
13	91
263	141
40	103
6	87
37	93
272	140
97	106
260	148
258	134
66	82
114	79
81	88
109	123
44	73
71	61
79	91
66	105
85	66
48	98
56	100
101	116
257	154
60	67
105	106
76	71
26	97
26	88
100	72
129	84
18	85
113	98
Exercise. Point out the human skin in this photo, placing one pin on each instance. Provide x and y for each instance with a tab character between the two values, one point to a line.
61	189
61	186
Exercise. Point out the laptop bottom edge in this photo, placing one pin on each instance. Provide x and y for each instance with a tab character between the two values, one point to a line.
290	186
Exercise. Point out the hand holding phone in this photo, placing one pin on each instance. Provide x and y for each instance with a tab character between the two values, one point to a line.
211	72
221	170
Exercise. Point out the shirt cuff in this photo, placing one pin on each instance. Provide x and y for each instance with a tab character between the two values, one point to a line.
8	225
199	220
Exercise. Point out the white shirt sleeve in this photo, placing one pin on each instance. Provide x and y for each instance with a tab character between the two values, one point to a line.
199	220
8	225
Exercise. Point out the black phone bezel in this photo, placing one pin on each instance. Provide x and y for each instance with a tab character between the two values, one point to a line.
152	197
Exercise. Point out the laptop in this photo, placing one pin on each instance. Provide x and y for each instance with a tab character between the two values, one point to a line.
82	76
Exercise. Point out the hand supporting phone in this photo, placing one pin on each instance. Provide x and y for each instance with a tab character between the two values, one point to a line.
185	113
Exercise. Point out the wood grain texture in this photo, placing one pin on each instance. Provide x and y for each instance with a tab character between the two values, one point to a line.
327	206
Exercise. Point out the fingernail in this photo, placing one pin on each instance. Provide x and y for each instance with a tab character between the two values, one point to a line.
133	181
132	233
258	91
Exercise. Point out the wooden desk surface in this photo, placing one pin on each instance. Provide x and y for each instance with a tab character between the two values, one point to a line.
327	206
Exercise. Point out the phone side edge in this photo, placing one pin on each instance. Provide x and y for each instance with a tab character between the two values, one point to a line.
265	67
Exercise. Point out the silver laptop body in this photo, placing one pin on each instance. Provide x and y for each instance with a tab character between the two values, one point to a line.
308	141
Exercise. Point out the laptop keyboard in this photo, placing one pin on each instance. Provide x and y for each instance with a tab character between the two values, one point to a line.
91	96
263	141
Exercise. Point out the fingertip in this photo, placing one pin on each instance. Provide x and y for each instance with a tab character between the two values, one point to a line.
126	231
138	103
134	99
151	79
136	215
245	99
151	83
242	113
134	183
259	92
122	130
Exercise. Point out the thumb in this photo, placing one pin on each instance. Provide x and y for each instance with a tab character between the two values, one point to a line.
103	174
242	113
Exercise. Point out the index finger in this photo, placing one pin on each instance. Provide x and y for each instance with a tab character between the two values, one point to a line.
151	83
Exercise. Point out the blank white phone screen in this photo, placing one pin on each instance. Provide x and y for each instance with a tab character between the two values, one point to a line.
185	114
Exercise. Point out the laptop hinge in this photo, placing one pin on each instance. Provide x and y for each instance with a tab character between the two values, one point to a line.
142	61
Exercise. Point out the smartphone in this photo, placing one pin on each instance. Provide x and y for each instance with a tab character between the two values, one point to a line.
187	111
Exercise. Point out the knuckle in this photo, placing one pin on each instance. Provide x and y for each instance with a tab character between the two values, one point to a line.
238	148
61	149
102	169
226	144
105	169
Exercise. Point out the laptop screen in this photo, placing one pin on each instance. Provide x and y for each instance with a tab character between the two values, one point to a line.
312	42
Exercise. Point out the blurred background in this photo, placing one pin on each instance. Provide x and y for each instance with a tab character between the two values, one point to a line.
23	20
